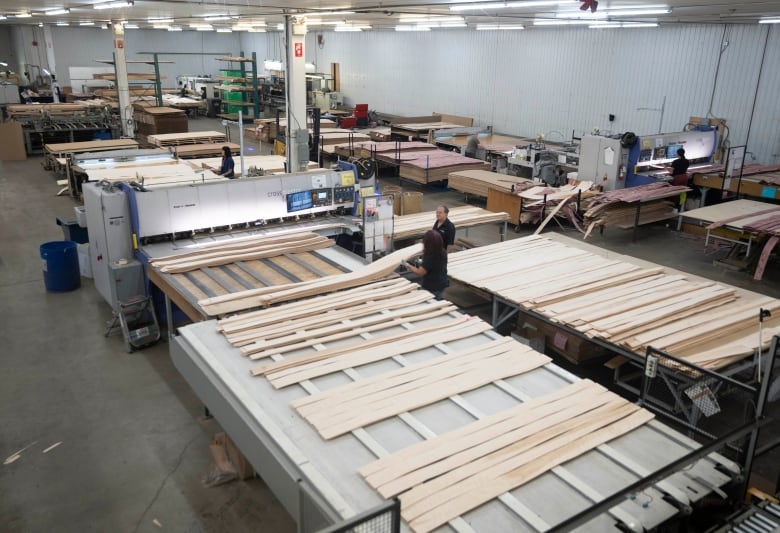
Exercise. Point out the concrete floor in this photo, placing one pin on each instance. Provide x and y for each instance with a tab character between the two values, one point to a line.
134	443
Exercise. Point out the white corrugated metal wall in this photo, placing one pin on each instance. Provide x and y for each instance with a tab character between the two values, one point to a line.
555	81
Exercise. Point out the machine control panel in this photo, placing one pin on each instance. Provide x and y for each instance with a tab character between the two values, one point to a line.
343	195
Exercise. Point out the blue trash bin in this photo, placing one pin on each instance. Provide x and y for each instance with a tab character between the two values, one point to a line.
60	266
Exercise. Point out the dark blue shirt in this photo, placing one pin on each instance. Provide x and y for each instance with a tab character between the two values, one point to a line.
227	164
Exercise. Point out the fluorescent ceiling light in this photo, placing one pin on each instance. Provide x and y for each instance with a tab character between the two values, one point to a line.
159	20
131	26
280	27
224	30
216	18
410	19
622	11
161	26
63	24
3	17
500	27
174	28
203	28
326	13
57	12
3	64
350	28
255	30
87	23
404	27
773	20
506	5
112	5
609	25
23	16
562	22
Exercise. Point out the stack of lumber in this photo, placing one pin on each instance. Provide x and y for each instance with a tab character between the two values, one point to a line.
190	151
183	102
414	226
178	139
438	166
60	150
708	324
37	110
244	250
264	297
160	120
269	164
539	203
394	157
477	182
370	149
338	136
444	477
618	208
264	129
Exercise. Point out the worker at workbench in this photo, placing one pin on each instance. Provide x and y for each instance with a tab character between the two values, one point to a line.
434	264
679	169
471	145
445	227
228	166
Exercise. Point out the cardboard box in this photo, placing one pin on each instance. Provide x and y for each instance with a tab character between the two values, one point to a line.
571	347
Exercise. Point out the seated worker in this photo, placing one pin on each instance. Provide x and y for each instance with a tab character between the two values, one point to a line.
679	169
227	169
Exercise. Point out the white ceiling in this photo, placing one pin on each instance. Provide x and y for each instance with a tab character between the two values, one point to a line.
378	15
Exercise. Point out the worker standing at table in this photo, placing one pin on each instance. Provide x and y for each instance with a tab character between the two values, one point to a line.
471	146
434	264
228	166
679	170
445	227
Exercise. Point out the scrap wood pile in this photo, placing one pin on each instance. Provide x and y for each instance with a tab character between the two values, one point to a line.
225	252
414	226
477	182
266	296
618	208
765	227
707	324
436	166
540	202
443	477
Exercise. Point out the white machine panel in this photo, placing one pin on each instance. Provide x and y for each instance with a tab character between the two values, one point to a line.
269	199
185	209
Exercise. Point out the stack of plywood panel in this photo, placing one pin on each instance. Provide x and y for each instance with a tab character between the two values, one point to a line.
414	226
159	120
178	139
433	167
375	149
477	182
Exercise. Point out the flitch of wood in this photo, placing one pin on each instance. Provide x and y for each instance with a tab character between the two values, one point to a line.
414	226
618	302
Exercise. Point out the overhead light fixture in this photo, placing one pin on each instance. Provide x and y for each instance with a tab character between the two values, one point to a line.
204	28
63	24
160	20
216	18
255	30
40	24
351	28
562	22
770	20
3	17
482	27
622	11
610	25
224	30
131	26
414	19
86	23
23	16
57	12
506	5
161	26
114	5
406	27
174	28
280	27
325	13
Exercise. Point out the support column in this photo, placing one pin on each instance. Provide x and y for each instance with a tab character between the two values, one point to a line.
297	136
122	85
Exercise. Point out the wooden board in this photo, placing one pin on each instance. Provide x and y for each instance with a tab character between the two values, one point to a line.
415	225
479	182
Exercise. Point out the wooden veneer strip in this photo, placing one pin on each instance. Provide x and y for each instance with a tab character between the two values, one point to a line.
412	304
280	367
482	489
282	345
361	357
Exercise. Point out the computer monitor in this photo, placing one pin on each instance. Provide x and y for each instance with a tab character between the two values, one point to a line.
298	201
671	151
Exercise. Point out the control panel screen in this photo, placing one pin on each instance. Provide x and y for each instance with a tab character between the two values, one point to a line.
671	151
298	201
